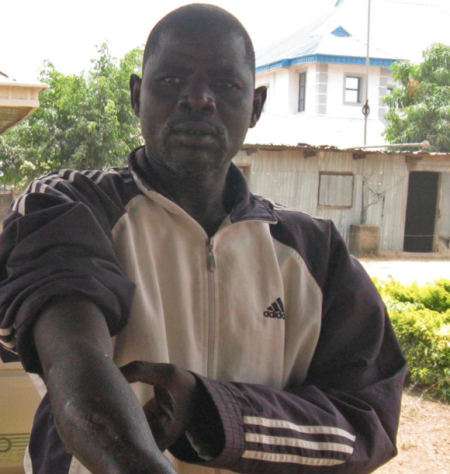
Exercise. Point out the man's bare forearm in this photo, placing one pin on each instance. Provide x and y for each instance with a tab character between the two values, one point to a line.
98	417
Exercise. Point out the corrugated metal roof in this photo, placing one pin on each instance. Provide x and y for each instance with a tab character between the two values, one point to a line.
399	29
358	152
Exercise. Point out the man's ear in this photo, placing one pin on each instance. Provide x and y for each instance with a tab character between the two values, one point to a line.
259	97
135	93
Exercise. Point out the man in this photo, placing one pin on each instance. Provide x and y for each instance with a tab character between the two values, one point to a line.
268	347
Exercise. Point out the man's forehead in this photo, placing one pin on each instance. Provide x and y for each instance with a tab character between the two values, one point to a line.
220	48
181	35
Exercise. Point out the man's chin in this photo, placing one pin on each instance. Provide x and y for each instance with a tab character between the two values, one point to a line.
191	161
197	165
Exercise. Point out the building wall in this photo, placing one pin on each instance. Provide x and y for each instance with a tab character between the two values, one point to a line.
380	187
327	119
278	83
336	105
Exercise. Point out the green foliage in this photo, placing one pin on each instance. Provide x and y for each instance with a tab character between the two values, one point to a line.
425	339
84	121
432	296
420	110
421	319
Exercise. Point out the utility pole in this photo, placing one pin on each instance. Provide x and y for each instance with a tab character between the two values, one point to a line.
366	108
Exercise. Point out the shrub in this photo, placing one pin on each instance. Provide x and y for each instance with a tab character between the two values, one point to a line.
421	319
432	296
425	339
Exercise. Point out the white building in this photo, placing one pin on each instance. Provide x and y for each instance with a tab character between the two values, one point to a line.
18	100
317	80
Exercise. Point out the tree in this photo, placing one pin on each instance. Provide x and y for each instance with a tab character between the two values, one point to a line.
420	110
85	122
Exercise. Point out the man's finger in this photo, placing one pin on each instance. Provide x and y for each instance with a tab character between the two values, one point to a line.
148	372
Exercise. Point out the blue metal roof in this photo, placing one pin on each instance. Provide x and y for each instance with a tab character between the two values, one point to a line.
325	58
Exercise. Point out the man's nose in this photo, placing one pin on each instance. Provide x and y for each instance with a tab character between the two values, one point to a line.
197	98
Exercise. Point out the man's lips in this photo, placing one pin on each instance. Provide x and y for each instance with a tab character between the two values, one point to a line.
196	134
195	128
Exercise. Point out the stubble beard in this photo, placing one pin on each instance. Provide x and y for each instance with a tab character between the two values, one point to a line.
196	162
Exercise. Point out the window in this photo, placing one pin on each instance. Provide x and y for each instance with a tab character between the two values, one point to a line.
352	92
335	190
302	92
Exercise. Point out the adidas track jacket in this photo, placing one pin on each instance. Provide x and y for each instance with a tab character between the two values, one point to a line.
284	328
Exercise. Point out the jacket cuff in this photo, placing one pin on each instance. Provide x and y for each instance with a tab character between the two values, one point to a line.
227	410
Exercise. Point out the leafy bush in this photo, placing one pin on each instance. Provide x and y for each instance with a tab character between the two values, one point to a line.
421	318
432	296
425	339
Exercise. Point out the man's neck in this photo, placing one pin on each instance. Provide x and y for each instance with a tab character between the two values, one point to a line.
198	194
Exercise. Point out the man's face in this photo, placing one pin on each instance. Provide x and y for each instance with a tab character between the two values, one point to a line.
196	100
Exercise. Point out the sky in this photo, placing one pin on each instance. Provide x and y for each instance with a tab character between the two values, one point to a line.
67	33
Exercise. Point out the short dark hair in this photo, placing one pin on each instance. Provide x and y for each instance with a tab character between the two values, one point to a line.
196	14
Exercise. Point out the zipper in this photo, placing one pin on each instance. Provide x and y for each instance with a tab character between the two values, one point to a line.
211	266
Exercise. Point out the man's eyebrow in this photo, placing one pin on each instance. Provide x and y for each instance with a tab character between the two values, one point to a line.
172	67
229	71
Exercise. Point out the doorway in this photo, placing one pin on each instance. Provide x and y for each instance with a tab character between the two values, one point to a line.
421	211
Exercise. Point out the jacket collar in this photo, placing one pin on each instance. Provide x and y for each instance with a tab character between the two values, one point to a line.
241	204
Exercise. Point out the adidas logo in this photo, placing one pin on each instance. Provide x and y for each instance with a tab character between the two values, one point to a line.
275	310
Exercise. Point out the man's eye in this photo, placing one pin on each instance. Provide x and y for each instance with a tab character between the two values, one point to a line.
171	80
226	85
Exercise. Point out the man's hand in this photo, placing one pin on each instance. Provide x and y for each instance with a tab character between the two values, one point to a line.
170	411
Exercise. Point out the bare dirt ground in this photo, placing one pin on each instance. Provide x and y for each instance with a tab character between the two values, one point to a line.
407	271
423	438
424	433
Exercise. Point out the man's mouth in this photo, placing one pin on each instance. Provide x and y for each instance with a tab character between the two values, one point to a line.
196	134
195	128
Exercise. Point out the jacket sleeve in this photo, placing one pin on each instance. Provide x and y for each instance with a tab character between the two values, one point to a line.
344	417
56	242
